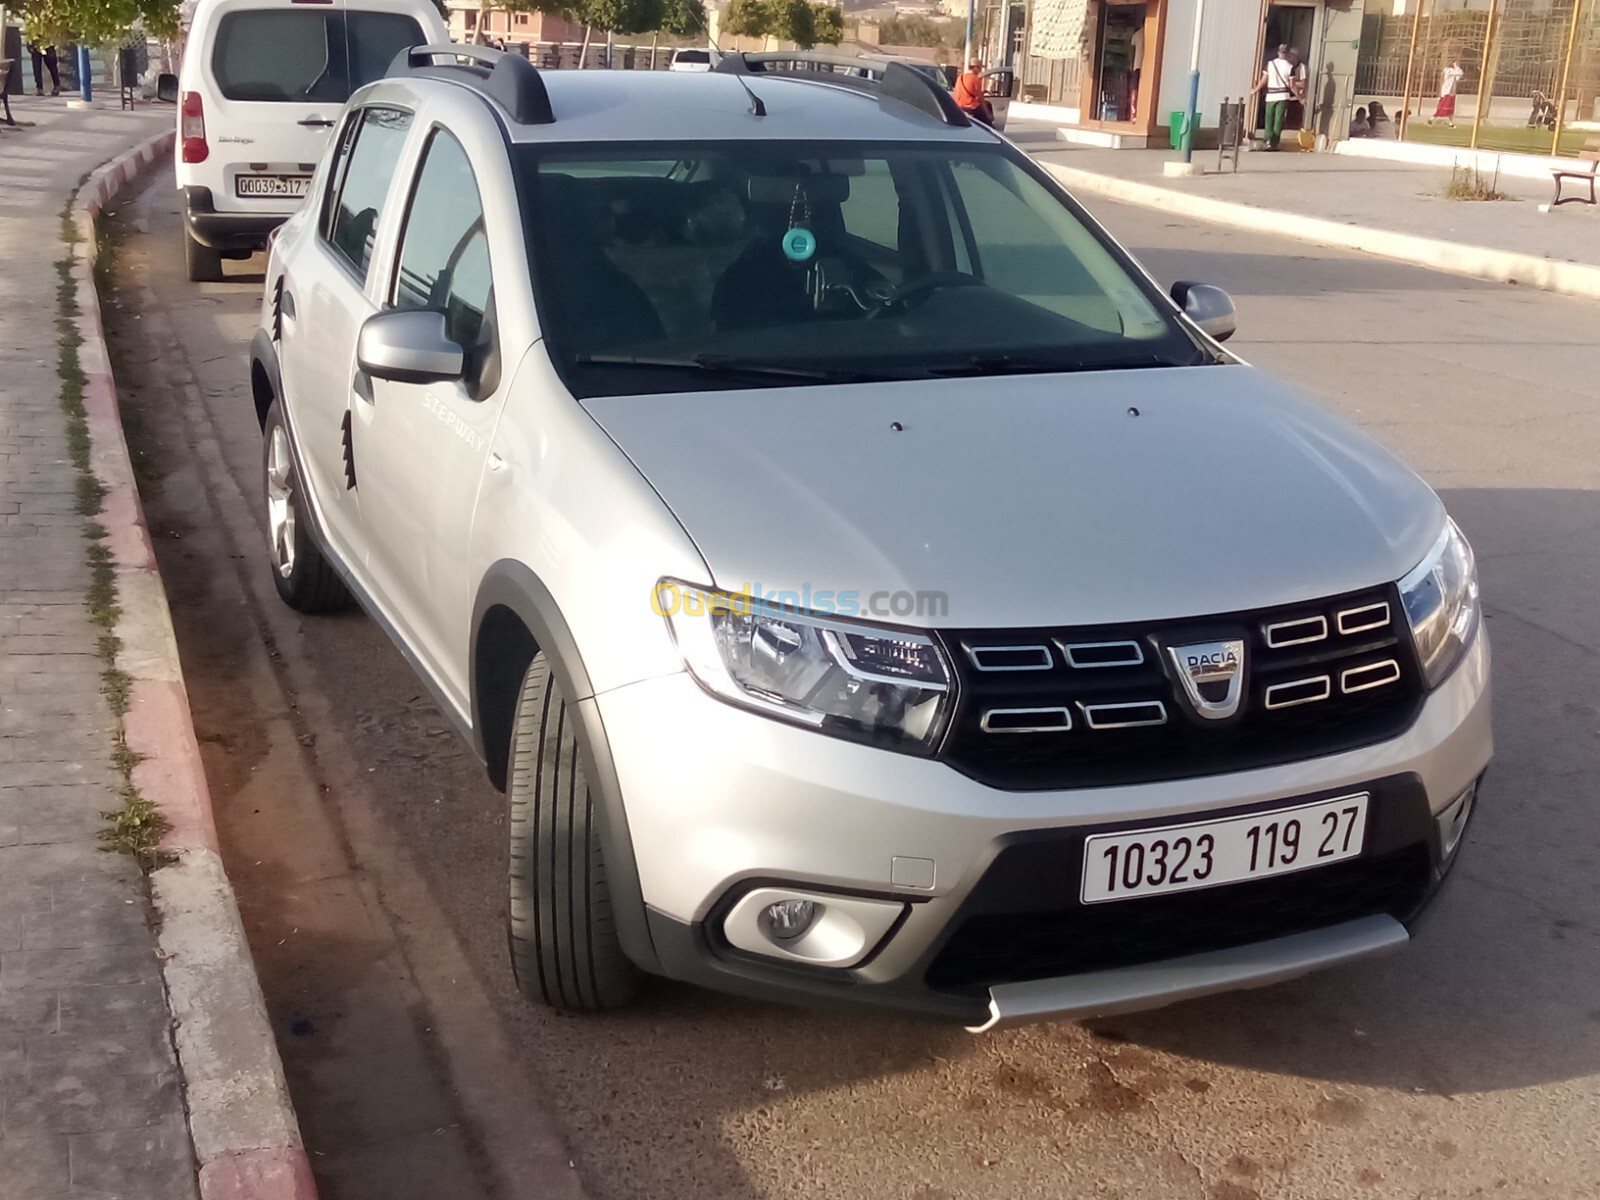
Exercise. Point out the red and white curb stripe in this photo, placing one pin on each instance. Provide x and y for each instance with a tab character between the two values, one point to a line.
246	1139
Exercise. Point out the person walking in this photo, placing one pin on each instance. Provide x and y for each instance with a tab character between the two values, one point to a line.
969	93
1445	109
1278	83
45	59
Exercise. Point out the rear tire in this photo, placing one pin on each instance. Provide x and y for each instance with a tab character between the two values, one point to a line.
306	581
204	264
564	948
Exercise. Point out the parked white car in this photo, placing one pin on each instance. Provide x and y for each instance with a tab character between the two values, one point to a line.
863	580
692	59
262	83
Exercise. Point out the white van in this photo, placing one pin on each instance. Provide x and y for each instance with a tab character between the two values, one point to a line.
692	59
262	83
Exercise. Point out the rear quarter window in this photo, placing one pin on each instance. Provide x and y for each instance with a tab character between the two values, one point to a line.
304	55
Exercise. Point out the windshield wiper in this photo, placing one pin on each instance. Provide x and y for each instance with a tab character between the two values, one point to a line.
1047	364
728	364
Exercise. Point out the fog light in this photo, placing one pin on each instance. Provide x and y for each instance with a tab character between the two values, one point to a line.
823	929
788	919
1453	822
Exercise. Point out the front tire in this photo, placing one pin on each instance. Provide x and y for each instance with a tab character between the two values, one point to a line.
564	948
306	581
202	262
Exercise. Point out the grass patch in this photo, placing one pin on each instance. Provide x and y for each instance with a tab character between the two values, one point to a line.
1504	139
101	598
135	828
1468	183
125	758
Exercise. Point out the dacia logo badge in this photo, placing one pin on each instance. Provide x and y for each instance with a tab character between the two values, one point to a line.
1212	674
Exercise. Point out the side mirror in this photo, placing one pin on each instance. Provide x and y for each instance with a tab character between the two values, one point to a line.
1209	307
167	88
408	346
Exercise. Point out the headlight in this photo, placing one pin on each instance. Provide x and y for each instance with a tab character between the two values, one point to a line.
885	686
1440	595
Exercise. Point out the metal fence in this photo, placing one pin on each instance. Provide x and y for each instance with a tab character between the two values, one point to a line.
1517	75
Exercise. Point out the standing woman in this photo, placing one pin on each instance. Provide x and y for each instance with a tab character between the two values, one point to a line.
1445	110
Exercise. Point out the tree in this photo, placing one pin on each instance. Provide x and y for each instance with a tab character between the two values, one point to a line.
802	22
96	22
683	18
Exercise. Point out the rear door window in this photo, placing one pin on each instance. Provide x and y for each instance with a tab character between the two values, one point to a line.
302	55
365	185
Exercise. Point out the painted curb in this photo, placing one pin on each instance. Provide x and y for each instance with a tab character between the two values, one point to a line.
1458	258
241	1121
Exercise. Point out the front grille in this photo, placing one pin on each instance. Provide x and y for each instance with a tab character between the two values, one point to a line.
1089	707
994	948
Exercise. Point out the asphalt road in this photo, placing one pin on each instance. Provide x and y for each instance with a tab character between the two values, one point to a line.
368	850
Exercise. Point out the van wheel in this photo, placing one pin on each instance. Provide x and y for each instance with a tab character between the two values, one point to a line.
306	581
204	263
564	947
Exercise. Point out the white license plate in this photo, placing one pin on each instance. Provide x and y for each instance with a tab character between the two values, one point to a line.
1203	854
272	185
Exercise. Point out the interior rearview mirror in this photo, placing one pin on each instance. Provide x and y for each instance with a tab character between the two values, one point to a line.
1207	306
167	88
408	346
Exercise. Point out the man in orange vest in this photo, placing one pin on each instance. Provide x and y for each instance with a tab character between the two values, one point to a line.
969	94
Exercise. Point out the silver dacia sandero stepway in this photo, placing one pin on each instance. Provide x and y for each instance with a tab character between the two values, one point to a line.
862	579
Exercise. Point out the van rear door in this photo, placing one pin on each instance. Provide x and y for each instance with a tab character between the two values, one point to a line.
280	75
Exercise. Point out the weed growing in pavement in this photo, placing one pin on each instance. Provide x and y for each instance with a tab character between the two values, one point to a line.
137	826
1467	183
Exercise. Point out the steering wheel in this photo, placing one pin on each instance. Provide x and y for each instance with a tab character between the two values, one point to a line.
917	291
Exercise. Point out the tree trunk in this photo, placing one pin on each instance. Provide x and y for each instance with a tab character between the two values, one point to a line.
583	54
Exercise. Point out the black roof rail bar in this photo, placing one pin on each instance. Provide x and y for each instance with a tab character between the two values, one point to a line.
893	80
508	79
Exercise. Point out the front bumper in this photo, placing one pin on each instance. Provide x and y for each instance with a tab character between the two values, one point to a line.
229	231
718	801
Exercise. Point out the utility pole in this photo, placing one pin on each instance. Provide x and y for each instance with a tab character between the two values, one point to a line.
1192	117
970	6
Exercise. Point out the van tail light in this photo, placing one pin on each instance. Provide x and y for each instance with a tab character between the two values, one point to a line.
192	126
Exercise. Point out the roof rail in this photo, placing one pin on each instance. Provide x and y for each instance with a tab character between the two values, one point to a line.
888	81
508	79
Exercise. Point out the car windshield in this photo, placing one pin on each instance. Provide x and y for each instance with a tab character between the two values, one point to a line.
747	263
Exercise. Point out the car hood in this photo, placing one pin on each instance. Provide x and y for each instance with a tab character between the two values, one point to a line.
1031	500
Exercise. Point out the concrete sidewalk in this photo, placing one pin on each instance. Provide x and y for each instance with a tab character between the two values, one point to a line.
1393	209
106	1076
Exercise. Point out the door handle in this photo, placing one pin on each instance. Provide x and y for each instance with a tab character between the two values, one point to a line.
286	305
316	122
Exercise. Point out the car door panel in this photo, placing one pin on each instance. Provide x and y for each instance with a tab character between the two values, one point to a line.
326	285
426	447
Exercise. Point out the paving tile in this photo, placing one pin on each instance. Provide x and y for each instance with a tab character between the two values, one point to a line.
35	1168
97	966
76	926
145	1049
154	1163
28	1013
103	1009
89	1103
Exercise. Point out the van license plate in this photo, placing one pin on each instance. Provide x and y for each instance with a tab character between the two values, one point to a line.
272	185
1204	854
